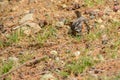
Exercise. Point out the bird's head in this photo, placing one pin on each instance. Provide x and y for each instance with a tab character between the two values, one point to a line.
78	13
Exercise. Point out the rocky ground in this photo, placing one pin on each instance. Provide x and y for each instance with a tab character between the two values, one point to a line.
36	42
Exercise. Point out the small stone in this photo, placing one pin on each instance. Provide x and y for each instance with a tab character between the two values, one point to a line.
92	17
77	53
54	52
100	20
15	8
57	59
13	58
27	17
102	27
64	6
101	57
104	37
48	77
60	24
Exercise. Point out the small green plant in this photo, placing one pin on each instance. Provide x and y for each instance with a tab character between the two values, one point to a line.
93	36
14	37
78	38
117	77
25	57
6	66
91	3
80	65
48	32
64	73
1	44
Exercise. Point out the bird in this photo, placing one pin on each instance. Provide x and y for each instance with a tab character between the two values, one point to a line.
78	24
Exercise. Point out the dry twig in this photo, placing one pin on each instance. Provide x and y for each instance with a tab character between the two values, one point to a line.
24	64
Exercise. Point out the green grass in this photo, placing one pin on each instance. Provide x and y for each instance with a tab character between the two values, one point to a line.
80	65
113	45
14	37
6	66
25	57
117	77
1	44
64	74
47	32
103	77
92	3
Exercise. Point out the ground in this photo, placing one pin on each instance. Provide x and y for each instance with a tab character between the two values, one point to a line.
51	52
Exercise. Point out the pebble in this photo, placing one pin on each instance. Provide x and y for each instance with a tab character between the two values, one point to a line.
13	58
60	24
64	6
77	53
101	58
53	52
102	27
48	76
92	17
99	20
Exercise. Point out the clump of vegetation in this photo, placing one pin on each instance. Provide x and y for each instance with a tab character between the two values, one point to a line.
14	37
25	57
92	3
103	77
48	32
6	66
77	67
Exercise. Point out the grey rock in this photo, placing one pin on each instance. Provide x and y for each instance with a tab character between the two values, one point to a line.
30	28
27	17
